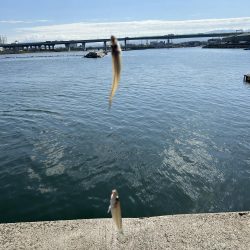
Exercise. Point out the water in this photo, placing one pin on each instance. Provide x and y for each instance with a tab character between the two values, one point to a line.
176	140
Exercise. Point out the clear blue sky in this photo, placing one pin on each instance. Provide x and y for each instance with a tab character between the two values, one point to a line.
81	10
73	11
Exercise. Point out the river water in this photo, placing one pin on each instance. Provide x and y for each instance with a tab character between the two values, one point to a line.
176	140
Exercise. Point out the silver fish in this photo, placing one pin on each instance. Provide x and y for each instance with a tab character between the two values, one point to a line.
115	208
116	59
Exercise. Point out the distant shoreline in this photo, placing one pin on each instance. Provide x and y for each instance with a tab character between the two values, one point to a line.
222	46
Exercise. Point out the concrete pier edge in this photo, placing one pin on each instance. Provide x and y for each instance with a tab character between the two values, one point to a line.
188	231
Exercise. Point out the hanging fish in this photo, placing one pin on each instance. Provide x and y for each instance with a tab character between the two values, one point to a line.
115	208
116	60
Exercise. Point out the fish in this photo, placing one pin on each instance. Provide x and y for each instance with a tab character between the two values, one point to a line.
116	62
115	208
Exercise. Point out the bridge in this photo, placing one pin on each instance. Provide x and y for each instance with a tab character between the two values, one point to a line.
50	45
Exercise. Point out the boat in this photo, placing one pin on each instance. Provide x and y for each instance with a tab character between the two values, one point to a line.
96	54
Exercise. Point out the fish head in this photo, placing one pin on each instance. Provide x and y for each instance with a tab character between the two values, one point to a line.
114	194
113	39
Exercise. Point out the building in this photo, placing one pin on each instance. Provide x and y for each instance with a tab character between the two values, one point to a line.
214	41
243	38
3	39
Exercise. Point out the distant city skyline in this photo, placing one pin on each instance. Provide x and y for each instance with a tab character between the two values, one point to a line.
58	20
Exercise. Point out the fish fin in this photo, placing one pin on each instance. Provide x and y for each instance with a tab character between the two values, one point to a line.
109	209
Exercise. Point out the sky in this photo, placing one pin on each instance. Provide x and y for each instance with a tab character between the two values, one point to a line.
29	20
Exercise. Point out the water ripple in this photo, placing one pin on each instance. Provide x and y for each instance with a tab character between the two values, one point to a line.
176	140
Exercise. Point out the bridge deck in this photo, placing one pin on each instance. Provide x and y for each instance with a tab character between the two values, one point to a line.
165	37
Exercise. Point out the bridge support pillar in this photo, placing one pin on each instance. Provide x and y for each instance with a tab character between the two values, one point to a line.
105	45
83	46
67	46
125	44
